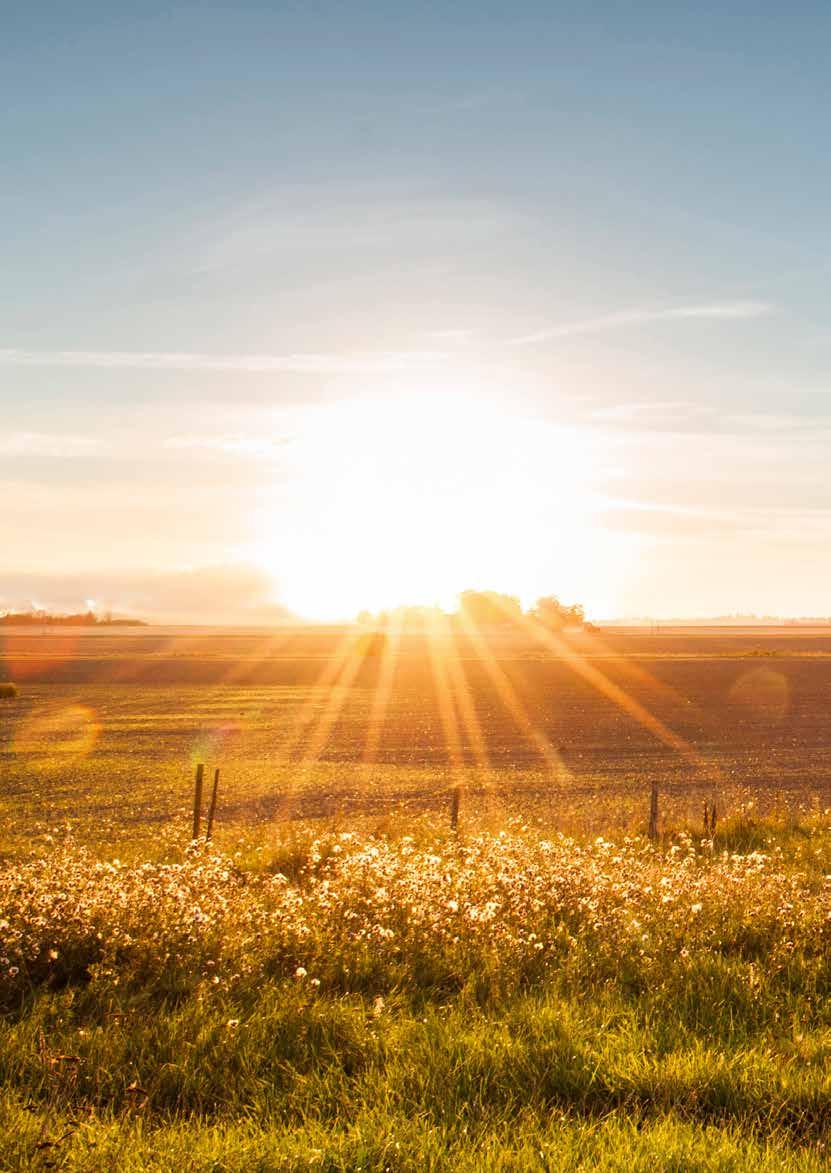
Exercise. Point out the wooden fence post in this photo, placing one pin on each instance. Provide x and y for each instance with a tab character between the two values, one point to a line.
710	818
653	812
212	807
197	800
455	798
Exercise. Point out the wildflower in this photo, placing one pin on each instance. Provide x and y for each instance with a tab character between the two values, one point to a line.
300	972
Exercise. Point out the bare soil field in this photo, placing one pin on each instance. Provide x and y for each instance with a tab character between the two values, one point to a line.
108	726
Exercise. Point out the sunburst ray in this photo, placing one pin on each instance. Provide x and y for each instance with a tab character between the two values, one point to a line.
617	695
511	700
463	695
339	676
444	696
383	690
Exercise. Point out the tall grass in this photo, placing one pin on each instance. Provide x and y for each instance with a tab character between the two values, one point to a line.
499	1001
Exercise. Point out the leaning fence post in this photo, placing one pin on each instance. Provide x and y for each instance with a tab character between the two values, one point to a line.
455	798
212	807
197	800
653	812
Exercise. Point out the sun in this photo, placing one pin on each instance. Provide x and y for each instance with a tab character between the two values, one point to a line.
413	497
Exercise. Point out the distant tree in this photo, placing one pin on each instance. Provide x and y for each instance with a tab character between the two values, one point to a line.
80	619
408	617
489	608
551	613
418	617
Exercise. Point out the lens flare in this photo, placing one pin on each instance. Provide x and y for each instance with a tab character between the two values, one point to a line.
762	691
71	732
212	741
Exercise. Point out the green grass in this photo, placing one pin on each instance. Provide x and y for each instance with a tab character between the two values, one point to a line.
347	1001
376	1139
445	1085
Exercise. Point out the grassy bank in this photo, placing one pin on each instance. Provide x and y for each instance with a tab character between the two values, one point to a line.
503	1001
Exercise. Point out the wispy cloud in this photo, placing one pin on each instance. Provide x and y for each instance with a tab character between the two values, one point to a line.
725	310
316	364
678	520
676	509
223	593
466	334
647	410
354	220
44	444
246	445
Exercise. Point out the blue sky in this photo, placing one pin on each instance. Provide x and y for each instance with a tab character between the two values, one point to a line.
606	221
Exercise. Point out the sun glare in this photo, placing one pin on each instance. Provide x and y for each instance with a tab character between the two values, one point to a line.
414	497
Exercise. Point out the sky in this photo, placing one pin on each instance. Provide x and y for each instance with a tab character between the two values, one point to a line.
329	306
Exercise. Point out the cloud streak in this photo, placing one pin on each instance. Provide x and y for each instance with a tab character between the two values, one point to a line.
314	364
218	593
245	445
712	311
45	444
366	362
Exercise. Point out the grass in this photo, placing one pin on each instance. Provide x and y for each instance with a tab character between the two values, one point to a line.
496	1001
341	983
383	1140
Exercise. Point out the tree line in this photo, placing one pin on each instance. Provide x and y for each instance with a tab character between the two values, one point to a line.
81	619
481	609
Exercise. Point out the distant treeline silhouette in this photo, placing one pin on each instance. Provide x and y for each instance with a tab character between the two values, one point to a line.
481	609
81	619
